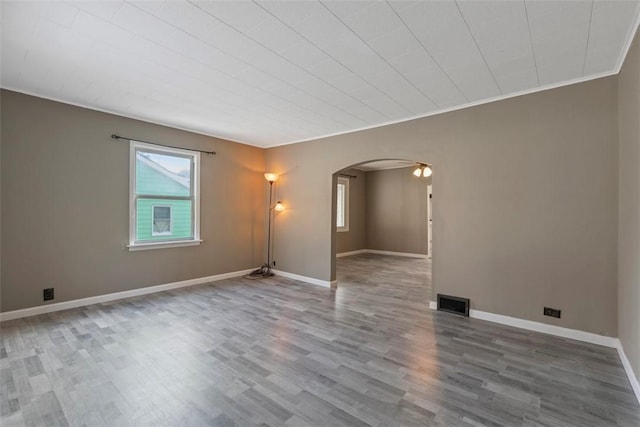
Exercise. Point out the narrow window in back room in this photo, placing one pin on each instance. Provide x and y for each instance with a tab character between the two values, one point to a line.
342	199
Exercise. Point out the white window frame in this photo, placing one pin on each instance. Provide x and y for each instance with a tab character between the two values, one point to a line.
153	220
135	245
345	204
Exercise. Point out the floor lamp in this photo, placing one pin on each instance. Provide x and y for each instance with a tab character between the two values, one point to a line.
265	270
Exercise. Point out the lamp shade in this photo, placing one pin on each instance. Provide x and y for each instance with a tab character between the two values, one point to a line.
271	177
427	172
279	206
418	171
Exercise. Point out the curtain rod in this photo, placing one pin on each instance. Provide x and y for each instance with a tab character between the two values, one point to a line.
347	176
118	137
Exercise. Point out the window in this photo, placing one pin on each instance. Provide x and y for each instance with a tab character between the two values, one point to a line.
164	202
342	204
161	221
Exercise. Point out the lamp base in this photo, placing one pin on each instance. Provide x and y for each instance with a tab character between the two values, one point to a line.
262	272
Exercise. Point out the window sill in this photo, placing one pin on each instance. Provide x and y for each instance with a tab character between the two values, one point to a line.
162	245
342	230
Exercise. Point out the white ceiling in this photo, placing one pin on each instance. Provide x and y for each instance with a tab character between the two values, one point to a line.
276	72
384	164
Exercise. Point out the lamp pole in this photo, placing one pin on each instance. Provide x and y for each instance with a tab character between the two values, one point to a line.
265	270
268	272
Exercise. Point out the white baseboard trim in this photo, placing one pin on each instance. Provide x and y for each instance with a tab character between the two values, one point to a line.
358	252
405	254
311	280
41	309
375	251
558	331
530	325
635	385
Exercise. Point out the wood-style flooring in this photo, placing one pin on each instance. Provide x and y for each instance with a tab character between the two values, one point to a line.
277	352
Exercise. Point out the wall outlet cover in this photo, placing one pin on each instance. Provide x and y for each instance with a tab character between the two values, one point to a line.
553	312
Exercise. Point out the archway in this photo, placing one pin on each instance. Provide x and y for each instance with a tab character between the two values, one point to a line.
380	212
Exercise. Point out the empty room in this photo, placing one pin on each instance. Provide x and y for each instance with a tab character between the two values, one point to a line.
320	213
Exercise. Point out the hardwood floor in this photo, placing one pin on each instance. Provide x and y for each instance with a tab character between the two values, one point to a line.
283	353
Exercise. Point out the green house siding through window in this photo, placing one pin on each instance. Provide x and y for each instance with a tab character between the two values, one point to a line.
180	219
151	181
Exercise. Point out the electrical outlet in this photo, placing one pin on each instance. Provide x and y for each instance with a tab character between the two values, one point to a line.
47	294
553	312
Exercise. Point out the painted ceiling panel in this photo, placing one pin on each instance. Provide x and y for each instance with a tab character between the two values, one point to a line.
274	72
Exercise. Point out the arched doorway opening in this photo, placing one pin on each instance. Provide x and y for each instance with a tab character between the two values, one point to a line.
381	217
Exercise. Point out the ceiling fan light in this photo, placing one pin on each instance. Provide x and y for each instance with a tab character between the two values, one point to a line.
418	171
427	172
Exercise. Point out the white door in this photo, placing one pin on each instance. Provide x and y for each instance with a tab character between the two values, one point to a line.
429	221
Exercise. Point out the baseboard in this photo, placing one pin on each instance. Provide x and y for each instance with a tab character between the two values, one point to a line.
311	280
558	331
358	252
375	251
42	309
635	385
65	305
530	325
405	254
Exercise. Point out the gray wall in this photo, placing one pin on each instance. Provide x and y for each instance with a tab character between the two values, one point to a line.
65	194
355	238
527	201
629	206
396	211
